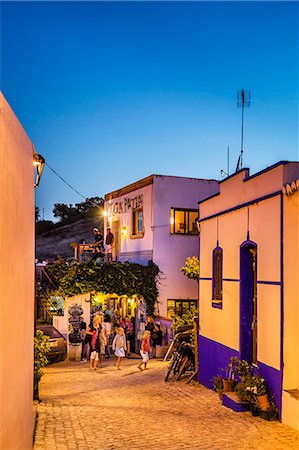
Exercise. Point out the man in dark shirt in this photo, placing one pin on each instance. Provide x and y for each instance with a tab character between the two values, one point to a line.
109	243
99	245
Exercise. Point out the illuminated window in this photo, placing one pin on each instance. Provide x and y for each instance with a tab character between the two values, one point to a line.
183	221
137	223
217	277
180	307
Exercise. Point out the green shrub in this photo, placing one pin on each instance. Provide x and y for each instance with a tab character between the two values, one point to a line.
41	348
185	319
191	268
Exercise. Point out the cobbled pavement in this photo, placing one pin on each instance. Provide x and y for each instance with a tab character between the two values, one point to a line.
110	409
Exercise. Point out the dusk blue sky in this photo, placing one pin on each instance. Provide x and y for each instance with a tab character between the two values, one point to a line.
112	92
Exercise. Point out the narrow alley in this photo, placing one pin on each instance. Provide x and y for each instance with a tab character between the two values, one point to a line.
127	409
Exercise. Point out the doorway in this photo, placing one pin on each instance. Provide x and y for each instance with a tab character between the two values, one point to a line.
248	302
117	237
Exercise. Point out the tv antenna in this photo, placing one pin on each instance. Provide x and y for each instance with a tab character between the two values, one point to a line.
243	101
223	173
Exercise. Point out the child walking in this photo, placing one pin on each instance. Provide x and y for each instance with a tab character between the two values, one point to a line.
145	346
119	346
95	345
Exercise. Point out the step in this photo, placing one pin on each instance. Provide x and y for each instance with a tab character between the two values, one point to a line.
231	400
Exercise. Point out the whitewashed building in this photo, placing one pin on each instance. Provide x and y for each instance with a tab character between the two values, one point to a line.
155	219
249	280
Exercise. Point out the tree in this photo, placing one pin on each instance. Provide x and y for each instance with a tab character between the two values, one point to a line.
63	211
191	268
44	226
90	203
60	210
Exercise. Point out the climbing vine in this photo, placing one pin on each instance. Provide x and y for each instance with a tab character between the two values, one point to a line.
121	279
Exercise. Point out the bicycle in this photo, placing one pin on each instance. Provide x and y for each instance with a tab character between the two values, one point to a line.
180	342
188	360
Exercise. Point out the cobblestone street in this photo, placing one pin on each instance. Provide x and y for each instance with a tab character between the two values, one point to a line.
128	409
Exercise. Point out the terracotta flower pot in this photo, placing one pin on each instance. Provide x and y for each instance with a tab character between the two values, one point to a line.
263	401
220	394
227	385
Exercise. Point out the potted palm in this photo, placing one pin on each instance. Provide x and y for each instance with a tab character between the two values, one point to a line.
218	385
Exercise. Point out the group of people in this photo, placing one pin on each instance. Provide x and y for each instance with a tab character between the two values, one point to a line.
100	250
96	340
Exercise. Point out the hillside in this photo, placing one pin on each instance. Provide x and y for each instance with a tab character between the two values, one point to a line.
57	241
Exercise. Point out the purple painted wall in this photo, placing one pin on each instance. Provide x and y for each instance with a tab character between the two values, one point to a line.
214	356
273	378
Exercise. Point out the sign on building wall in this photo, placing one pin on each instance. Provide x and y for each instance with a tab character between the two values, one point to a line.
126	205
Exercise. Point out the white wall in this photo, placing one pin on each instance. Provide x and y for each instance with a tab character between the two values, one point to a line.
16	283
171	251
290	405
62	323
223	325
237	190
168	251
134	250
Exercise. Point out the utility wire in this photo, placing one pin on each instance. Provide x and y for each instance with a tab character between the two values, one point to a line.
77	192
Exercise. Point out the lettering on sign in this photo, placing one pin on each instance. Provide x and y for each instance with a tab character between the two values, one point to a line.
291	188
128	204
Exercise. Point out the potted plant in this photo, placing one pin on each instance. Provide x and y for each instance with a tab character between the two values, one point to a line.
242	368
218	385
260	393
253	389
229	381
245	389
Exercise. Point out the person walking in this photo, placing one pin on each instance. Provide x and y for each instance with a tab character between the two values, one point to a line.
99	318
150	326
119	346
157	337
84	341
95	345
107	331
127	325
144	351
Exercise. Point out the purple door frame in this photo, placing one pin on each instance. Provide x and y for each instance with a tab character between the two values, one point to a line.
247	291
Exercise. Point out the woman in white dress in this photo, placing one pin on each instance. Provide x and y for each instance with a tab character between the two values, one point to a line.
119	346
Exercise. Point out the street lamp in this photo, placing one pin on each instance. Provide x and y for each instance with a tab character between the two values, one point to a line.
39	164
